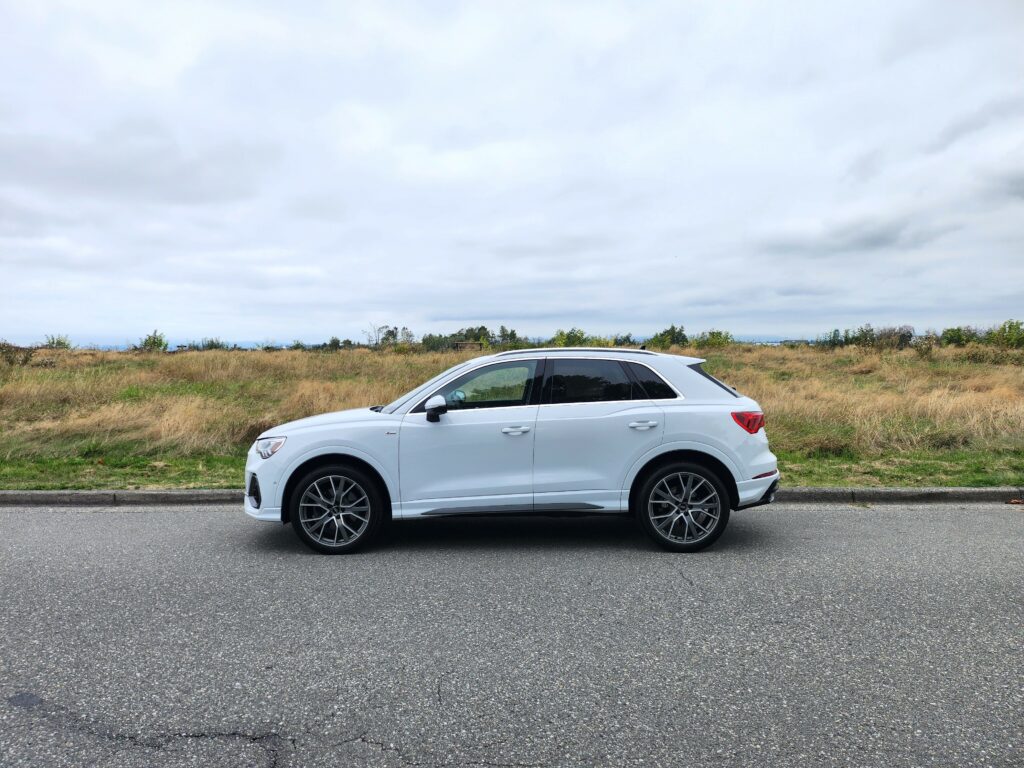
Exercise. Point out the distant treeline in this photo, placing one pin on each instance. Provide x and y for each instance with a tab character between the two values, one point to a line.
1008	335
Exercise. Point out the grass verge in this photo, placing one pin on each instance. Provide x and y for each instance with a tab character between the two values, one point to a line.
84	419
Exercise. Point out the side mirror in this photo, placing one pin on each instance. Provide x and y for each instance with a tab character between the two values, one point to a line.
434	407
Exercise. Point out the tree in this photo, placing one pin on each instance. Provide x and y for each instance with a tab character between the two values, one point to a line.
435	342
669	337
623	340
574	337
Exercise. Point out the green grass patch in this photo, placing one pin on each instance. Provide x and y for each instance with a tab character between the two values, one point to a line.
122	472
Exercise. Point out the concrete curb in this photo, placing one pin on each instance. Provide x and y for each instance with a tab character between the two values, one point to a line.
897	495
796	495
117	498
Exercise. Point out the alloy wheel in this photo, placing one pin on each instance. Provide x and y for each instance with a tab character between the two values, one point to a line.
684	507
334	510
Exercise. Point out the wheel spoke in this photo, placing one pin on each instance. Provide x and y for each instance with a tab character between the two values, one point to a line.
704	530
352	504
666	496
694	487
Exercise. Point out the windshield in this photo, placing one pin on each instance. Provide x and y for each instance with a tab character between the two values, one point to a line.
421	389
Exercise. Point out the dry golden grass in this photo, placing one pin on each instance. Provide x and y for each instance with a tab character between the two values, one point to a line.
870	402
867	412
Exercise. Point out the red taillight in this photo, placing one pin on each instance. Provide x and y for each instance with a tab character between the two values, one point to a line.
751	421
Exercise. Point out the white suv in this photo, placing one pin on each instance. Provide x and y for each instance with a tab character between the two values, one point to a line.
538	431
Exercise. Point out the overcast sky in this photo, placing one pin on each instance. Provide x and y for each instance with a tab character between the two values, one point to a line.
281	170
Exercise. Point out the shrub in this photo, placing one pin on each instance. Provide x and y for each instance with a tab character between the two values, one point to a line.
713	339
925	345
1009	335
959	336
57	342
210	344
14	355
894	338
154	342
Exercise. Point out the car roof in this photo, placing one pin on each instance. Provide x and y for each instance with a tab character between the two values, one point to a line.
640	355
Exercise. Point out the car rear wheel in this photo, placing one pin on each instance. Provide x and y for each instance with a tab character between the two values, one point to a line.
337	509
683	507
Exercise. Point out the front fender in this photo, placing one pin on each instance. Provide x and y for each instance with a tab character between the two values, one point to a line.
339	448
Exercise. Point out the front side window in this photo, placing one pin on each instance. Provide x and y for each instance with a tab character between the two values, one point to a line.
587	381
495	386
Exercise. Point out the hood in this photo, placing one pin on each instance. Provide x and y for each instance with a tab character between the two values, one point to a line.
338	417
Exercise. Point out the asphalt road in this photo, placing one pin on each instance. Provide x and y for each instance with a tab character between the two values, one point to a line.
836	635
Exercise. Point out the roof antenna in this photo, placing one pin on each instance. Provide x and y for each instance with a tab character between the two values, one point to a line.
643	346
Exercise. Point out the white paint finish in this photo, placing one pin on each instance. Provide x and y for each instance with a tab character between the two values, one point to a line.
480	456
587	448
752	490
583	454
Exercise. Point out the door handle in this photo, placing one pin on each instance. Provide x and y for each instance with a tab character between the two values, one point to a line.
642	424
514	430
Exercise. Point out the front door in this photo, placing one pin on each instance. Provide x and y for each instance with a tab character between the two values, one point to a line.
593	424
479	456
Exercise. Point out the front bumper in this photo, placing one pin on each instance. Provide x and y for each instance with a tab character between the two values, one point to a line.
270	514
261	495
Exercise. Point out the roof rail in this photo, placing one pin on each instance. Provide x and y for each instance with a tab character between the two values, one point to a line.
602	350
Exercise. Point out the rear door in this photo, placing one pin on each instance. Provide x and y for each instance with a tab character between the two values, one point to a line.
595	420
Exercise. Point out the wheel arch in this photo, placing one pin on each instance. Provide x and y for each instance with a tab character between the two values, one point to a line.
701	458
327	459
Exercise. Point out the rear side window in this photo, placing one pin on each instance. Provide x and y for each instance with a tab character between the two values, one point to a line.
587	381
699	369
652	384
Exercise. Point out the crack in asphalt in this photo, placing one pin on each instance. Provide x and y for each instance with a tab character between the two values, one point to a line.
272	743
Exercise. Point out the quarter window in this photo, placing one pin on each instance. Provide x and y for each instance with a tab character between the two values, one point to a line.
496	386
653	385
587	381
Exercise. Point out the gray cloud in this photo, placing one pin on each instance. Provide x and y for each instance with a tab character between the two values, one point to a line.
977	121
134	161
859	237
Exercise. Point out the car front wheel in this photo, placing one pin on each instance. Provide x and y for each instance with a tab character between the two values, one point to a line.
336	509
683	507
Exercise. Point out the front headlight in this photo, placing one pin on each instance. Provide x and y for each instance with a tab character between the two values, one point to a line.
268	446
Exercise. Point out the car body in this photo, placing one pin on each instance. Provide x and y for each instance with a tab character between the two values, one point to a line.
533	431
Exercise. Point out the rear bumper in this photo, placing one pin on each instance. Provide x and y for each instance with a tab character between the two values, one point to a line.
767	497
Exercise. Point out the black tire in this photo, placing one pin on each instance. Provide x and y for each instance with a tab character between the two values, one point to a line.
349	533
670	513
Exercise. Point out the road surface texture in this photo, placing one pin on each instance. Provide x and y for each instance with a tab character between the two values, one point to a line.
810	635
